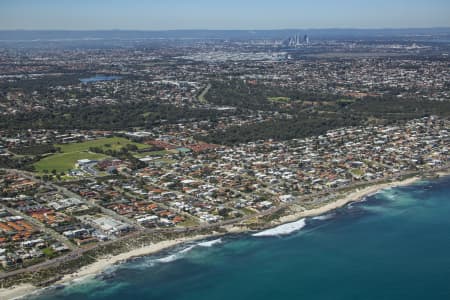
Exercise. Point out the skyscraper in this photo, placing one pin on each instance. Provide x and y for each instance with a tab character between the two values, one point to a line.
306	39
297	41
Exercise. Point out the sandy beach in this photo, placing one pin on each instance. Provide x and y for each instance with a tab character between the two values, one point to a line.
103	263
443	173
353	196
18	291
100	265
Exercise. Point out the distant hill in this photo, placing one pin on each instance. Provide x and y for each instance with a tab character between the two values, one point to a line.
317	34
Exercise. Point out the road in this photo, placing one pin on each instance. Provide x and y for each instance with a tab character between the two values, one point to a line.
318	198
71	194
41	227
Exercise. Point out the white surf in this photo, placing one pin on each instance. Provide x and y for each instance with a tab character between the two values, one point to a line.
284	229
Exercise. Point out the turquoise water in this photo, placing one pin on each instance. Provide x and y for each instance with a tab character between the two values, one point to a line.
394	245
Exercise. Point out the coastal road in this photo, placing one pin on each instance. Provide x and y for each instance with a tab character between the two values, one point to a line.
317	199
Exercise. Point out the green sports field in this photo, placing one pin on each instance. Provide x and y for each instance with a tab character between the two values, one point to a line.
63	162
114	143
71	153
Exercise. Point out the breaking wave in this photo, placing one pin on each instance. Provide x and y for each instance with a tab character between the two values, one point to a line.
174	256
284	229
210	243
324	217
180	254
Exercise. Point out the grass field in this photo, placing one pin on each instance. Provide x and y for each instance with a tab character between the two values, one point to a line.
202	95
345	102
357	172
115	143
63	162
280	99
71	153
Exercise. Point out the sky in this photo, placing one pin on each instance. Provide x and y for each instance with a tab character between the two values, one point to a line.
223	14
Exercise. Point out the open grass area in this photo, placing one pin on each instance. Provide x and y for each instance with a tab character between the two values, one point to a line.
202	95
71	153
280	99
114	143
247	211
357	172
345	102
49	252
63	162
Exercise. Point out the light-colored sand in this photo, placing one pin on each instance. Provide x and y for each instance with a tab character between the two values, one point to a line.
18	291
443	173
97	267
235	229
103	263
351	197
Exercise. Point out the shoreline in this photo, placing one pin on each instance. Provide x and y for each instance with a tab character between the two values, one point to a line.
96	268
353	196
101	264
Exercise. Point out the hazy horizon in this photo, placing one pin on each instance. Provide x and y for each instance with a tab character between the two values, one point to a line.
84	15
240	29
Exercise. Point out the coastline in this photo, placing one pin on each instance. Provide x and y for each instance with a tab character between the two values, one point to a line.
101	264
354	196
18	291
22	290
104	263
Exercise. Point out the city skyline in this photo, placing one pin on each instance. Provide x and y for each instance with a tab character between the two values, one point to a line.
218	15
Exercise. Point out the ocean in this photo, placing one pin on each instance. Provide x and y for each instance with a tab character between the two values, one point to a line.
393	245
